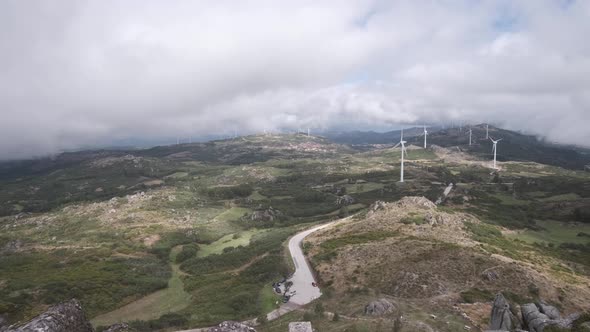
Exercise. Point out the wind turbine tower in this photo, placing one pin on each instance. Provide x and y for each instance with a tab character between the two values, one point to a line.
487	131
425	135
470	133
307	131
404	151
495	149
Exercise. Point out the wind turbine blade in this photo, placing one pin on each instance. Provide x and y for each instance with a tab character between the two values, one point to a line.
499	140
396	145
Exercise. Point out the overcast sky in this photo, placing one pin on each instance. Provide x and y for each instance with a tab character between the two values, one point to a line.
83	73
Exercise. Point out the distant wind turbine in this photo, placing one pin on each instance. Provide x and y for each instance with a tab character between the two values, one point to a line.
307	131
470	134
404	151
487	131
425	134
495	149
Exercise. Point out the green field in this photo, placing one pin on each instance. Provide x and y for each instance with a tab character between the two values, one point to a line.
230	240
555	232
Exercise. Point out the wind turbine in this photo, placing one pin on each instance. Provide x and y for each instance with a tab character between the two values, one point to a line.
307	131
470	133
403	144
495	149
425	133
487	131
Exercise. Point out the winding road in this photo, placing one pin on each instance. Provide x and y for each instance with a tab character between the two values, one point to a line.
302	279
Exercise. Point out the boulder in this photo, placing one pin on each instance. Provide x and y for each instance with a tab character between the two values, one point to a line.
549	310
269	214
300	327
489	275
534	320
64	317
380	307
120	327
416	201
501	318
344	200
378	205
231	326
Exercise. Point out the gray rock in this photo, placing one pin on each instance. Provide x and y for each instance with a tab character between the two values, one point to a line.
121	327
64	317
567	322
300	327
549	310
490	275
534	320
269	214
501	318
231	326
380	307
378	205
344	200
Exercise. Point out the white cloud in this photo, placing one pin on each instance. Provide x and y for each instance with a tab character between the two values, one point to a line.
79	73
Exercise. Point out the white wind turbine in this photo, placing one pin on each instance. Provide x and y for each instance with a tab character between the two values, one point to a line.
404	151
487	131
470	134
425	134
495	149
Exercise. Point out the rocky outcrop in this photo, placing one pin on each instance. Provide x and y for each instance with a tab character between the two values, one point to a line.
549	310
538	316
268	214
300	327
501	318
231	326
489	275
415	201
378	205
344	200
121	327
534	320
63	317
380	307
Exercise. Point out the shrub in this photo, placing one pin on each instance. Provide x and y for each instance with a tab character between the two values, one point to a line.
336	317
188	251
262	319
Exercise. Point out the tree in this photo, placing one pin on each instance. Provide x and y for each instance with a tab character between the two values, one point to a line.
336	317
262	319
319	309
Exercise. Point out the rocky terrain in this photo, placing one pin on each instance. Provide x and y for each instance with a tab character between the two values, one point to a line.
415	255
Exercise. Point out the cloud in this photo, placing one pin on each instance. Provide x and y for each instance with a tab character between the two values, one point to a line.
83	73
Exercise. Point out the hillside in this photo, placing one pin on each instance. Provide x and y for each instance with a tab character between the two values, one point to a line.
514	146
428	261
194	234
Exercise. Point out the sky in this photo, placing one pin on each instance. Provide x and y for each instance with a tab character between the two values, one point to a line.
77	73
